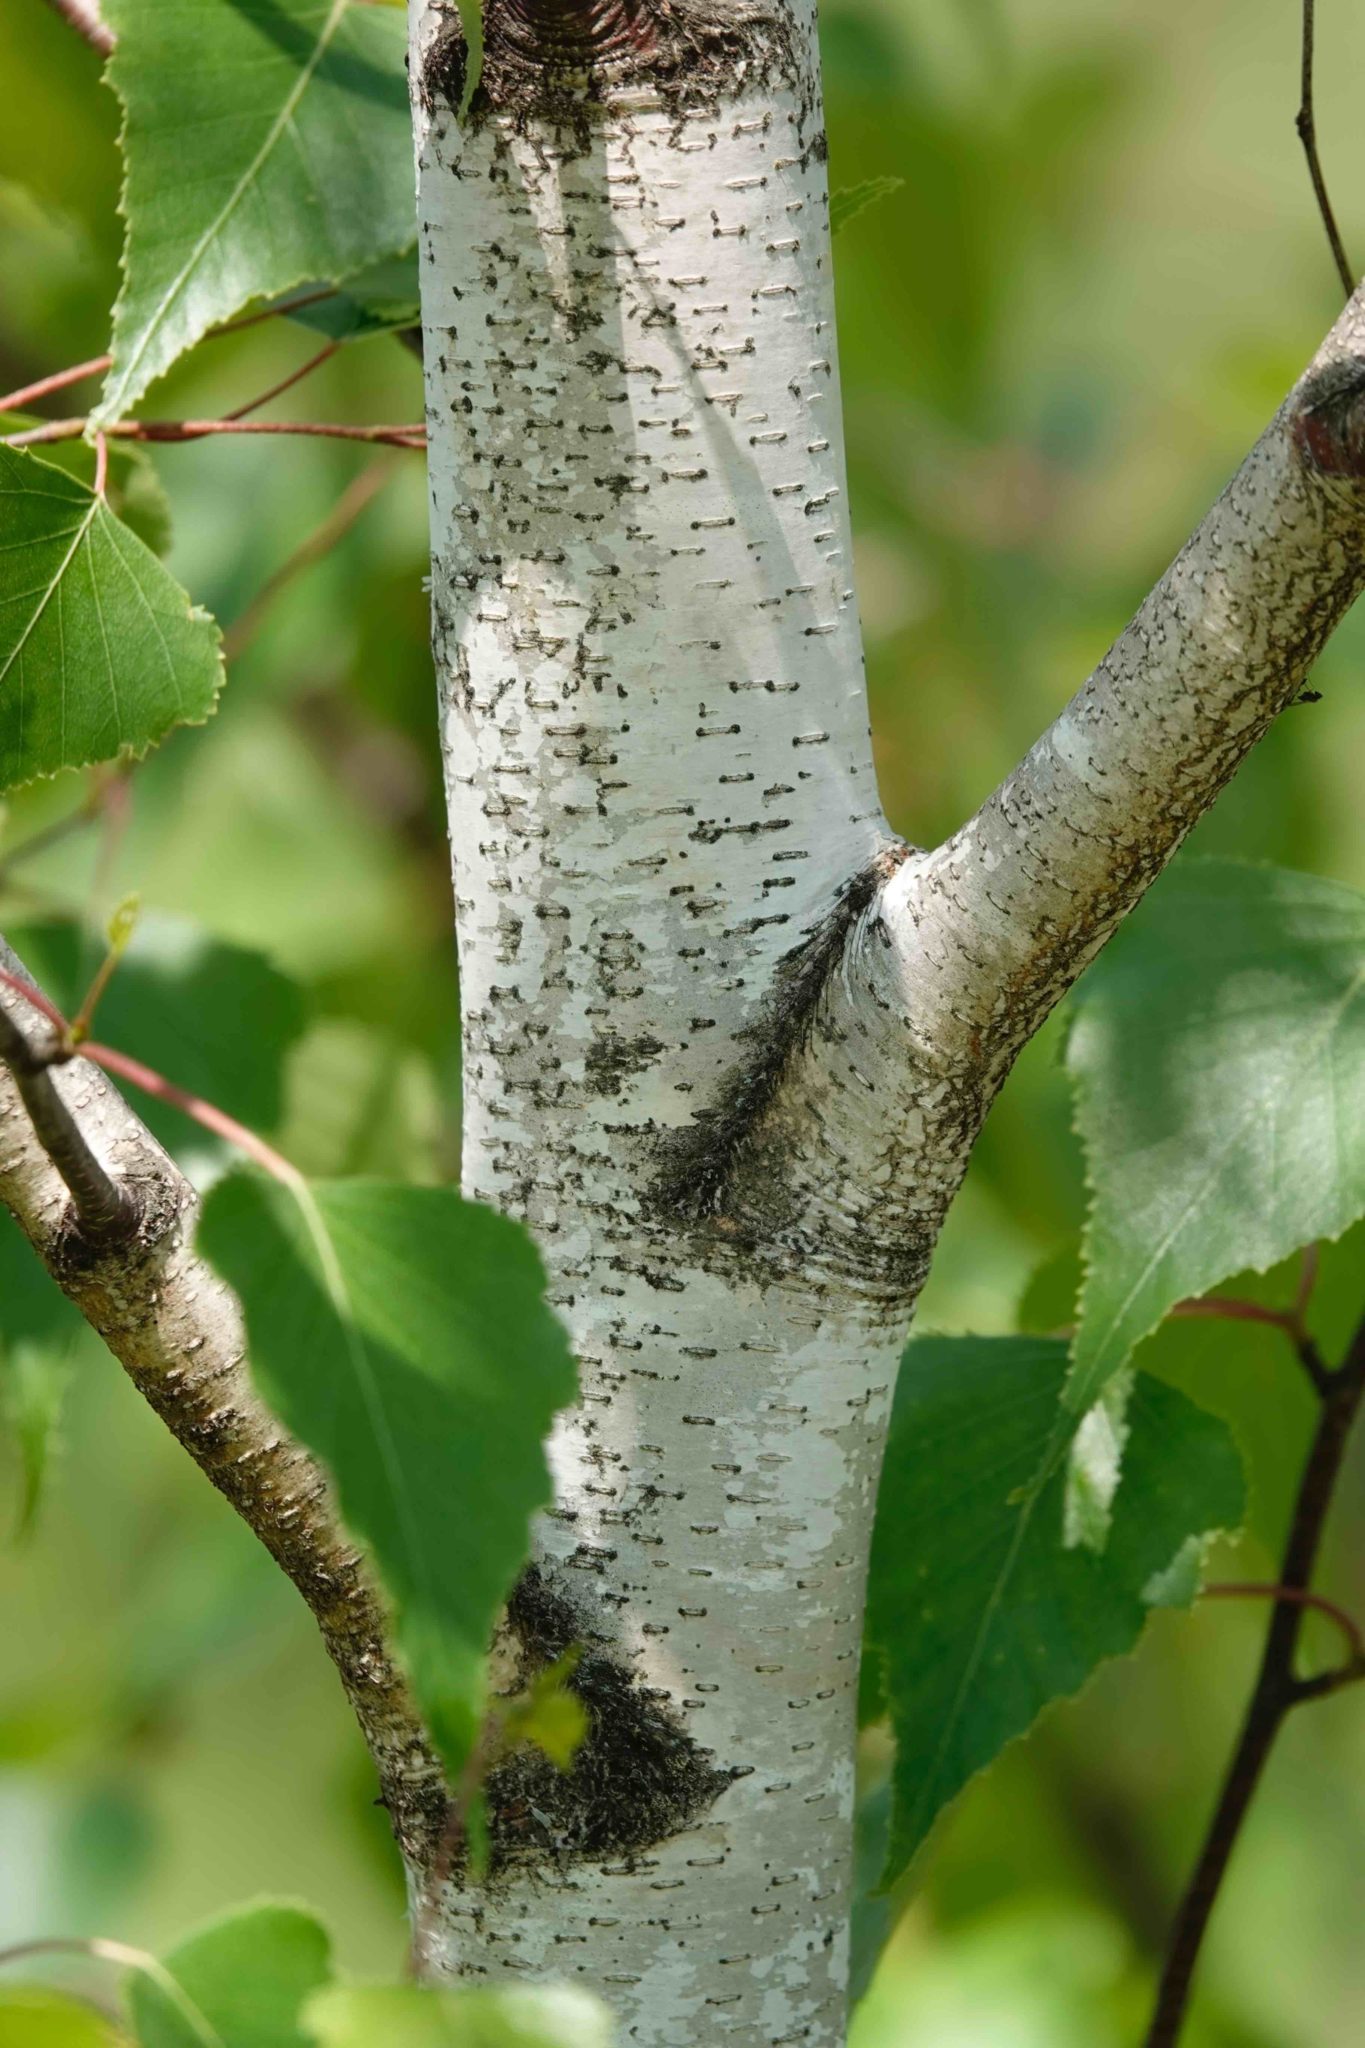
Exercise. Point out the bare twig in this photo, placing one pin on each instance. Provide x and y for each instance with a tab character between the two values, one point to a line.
1308	136
1297	1596
84	17
338	523
1277	1688
16	401
286	383
401	436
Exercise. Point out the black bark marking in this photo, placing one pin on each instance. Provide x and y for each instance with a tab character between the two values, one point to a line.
550	60
700	1161
638	1778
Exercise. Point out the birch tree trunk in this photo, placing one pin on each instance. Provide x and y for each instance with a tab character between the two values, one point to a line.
728	1042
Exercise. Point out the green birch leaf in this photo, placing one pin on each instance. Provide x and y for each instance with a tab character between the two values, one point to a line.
1218	1060
298	136
979	1611
416	2016
381	298
242	1980
132	485
401	1333
101	651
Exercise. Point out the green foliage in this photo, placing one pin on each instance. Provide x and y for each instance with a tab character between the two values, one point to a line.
383	298
132	485
1219	1063
978	1609
39	1330
414	2016
239	1982
101	651
401	1333
219	1020
297	135
34	2018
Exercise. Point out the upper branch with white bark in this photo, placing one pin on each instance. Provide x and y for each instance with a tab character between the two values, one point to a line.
995	925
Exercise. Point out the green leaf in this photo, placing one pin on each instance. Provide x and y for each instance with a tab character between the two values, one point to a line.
132	485
549	1714
416	2016
1218	1057
299	140
243	1979
980	1612
39	1330
101	651
382	298
851	200
219	1020
401	1334
35	2018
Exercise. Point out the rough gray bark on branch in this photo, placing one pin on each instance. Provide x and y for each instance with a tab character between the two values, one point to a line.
177	1332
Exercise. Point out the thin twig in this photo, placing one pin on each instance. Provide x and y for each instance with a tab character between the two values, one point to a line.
1249	1589
400	436
17	401
1276	1692
83	16
339	521
205	1114
1308	136
285	383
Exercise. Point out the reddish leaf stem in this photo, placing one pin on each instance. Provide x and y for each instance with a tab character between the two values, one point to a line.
339	521
204	1113
400	436
285	383
1297	1596
16	401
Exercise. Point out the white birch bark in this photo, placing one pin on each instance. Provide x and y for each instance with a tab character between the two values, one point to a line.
727	1043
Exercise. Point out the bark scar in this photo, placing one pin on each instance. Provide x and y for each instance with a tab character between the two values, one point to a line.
638	1778
702	1159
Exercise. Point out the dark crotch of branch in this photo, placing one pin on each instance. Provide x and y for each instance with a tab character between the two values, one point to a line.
1328	419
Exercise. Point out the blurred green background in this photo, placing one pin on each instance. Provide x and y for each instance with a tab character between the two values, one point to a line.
1058	336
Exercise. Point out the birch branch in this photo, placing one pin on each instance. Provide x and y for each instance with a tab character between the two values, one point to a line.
177	1332
995	925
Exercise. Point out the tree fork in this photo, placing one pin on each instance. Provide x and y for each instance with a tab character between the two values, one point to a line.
728	1041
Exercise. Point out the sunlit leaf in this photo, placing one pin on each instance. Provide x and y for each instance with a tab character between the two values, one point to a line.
1219	1062
298	135
979	1610
101	651
401	1333
245	1975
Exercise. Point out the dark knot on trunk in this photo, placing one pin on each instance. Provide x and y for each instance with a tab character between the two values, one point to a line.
553	60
